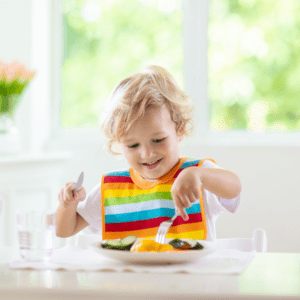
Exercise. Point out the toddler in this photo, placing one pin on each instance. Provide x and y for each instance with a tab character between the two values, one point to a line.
147	116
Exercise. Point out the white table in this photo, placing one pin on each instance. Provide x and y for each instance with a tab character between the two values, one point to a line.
269	276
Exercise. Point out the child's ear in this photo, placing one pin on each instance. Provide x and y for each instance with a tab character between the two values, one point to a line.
117	148
180	137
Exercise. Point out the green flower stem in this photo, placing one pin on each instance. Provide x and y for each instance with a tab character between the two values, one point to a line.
8	103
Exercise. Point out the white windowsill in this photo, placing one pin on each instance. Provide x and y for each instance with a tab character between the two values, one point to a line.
42	157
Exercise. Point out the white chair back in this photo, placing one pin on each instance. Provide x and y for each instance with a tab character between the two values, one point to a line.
258	242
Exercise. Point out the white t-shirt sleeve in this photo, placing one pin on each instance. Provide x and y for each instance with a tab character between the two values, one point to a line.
214	205
90	209
230	205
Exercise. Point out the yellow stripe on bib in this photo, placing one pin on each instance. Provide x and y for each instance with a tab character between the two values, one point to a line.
135	192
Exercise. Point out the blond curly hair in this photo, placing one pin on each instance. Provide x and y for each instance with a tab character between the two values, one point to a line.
132	96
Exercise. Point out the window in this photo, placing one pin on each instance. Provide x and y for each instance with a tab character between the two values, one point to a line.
237	59
105	41
253	66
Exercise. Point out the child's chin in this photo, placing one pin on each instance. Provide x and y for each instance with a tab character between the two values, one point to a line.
152	175
149	177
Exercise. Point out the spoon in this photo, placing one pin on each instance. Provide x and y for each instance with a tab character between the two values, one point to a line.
78	183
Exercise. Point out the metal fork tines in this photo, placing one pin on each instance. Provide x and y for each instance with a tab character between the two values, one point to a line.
163	229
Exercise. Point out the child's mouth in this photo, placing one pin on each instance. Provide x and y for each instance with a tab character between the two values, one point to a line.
152	165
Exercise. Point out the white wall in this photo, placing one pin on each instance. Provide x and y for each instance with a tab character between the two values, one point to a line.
269	174
15	43
270	183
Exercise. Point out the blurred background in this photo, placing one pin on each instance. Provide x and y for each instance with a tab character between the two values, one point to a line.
237	59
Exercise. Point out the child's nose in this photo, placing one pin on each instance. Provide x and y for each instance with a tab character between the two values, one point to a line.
146	152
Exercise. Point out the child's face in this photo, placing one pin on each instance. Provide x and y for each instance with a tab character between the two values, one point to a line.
151	145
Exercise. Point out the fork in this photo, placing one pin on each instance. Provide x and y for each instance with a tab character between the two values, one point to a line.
164	228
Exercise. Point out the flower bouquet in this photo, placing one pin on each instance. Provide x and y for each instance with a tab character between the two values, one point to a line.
14	78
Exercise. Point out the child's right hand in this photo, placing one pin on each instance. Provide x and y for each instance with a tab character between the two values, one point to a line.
186	190
66	198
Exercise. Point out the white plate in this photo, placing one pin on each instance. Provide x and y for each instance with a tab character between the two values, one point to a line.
155	257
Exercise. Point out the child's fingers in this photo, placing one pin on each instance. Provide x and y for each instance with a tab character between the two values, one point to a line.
65	195
63	200
69	191
192	197
180	208
197	193
183	213
80	194
185	200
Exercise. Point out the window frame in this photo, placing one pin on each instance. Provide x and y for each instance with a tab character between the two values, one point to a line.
61	136
195	19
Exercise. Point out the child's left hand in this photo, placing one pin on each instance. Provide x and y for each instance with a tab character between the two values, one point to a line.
186	190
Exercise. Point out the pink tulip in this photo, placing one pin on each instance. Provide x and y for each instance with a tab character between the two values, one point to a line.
14	71
14	78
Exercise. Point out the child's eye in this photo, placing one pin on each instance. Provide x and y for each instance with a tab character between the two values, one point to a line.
158	140
133	146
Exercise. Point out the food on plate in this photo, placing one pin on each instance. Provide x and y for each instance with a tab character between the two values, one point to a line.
130	243
148	245
183	245
179	244
197	246
120	244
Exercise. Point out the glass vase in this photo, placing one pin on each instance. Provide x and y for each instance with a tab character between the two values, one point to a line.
10	139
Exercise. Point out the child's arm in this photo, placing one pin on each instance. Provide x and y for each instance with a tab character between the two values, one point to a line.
186	187
68	221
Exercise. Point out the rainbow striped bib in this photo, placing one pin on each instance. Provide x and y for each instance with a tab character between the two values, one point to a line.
133	206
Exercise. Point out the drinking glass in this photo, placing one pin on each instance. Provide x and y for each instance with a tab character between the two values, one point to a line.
36	232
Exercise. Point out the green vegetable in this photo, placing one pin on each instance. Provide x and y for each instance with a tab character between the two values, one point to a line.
197	246
179	244
183	245
117	244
